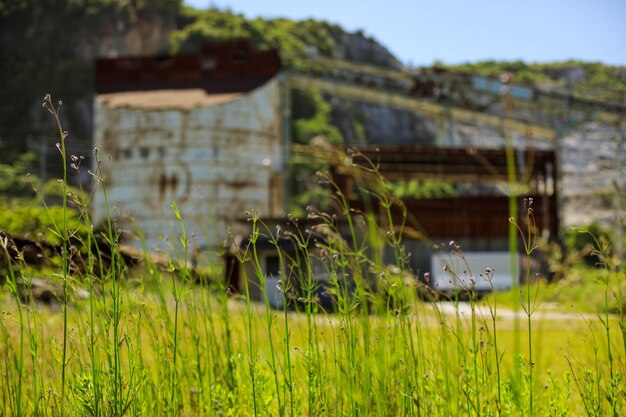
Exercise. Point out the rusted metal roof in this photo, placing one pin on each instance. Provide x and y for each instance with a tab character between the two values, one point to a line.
219	68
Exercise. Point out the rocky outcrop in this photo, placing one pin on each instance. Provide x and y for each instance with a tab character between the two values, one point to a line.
363	123
356	47
49	47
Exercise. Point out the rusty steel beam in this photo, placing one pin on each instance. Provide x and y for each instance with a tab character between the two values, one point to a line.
479	217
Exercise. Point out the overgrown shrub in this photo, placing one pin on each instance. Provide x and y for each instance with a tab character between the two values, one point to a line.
37	222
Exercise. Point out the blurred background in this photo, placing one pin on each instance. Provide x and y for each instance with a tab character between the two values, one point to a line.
562	62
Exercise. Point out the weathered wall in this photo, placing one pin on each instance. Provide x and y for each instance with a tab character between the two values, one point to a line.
214	161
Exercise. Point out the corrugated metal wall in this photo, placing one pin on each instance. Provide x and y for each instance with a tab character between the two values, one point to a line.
214	160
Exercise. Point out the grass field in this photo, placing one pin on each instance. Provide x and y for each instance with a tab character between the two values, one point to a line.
226	356
150	341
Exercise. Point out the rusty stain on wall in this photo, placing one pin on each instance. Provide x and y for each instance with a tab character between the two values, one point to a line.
205	151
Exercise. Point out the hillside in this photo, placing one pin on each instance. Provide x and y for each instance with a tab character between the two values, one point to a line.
291	38
49	46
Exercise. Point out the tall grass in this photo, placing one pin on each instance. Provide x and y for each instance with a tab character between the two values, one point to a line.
64	236
172	340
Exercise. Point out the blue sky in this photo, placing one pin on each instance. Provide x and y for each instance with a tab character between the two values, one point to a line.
419	32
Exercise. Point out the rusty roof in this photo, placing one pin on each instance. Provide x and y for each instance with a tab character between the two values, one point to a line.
219	68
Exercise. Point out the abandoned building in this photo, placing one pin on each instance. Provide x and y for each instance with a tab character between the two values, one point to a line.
201	130
211	132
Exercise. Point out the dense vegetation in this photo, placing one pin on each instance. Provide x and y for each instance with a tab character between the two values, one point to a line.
288	36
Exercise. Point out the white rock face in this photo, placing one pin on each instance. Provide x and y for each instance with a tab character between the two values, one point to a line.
589	162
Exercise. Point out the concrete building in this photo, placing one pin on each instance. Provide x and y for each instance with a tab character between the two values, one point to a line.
201	131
